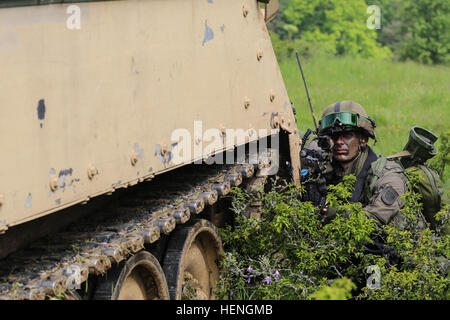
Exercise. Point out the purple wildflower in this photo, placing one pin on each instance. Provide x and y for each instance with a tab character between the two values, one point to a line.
268	279
277	275
248	280
250	270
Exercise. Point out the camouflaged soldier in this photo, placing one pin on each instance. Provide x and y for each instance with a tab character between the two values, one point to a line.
350	128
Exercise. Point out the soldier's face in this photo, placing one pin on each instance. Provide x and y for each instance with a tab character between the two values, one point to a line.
345	146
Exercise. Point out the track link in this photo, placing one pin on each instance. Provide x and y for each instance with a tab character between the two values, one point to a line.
61	262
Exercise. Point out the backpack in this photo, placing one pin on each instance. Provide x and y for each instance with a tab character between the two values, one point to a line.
430	186
417	151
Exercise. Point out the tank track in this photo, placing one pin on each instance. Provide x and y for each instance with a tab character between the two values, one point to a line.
54	265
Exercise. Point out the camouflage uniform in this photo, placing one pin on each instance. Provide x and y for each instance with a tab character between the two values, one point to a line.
383	202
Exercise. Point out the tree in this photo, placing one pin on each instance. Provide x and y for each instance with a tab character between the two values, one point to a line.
411	29
338	26
427	24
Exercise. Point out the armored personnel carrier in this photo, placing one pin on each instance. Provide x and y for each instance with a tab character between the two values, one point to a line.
124	126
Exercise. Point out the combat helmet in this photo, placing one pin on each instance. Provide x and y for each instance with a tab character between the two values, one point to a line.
345	116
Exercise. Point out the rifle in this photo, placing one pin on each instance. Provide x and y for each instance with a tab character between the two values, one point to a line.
314	161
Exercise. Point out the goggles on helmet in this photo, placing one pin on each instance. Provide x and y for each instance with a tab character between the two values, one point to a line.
346	118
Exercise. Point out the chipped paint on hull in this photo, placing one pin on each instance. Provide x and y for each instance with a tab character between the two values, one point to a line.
28	201
209	34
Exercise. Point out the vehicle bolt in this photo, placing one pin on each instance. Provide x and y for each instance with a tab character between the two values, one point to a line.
244	11
246	102
275	122
134	158
53	182
163	150
272	96
259	55
91	172
222	130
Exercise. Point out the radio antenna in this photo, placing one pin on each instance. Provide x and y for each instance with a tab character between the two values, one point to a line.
307	93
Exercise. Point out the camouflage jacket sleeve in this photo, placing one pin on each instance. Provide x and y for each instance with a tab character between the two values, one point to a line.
385	200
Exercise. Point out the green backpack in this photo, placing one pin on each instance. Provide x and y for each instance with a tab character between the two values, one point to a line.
418	150
430	186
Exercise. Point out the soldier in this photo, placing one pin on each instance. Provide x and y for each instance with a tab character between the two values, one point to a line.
350	128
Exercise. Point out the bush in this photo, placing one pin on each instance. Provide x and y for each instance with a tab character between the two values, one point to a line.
442	160
424	258
291	253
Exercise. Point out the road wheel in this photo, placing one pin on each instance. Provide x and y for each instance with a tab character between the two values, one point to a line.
191	261
138	278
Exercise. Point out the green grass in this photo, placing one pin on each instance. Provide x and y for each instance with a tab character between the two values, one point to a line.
397	95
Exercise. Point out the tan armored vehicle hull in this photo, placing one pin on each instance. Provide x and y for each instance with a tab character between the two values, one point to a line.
97	95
